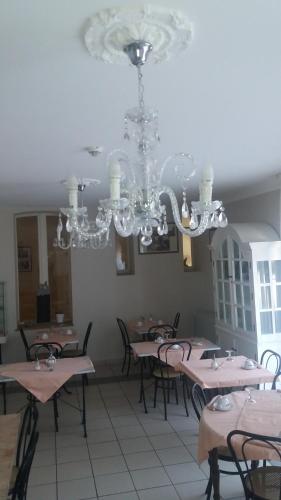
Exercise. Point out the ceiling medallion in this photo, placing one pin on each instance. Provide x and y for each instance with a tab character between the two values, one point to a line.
110	30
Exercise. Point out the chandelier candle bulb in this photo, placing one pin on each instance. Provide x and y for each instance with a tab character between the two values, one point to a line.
206	185
72	188
115	178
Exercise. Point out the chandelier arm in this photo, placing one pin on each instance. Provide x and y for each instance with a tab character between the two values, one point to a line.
62	245
204	219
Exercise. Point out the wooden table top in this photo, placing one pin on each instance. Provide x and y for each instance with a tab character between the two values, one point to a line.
9	430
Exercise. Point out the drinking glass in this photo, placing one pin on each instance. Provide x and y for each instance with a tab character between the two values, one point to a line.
229	355
249	391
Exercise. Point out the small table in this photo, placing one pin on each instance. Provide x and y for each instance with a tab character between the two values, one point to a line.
143	350
9	429
230	374
59	336
44	383
141	327
262	417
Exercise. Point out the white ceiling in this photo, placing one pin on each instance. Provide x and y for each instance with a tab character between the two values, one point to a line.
219	100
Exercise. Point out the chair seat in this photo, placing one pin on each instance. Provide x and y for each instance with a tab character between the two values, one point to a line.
166	373
72	353
266	482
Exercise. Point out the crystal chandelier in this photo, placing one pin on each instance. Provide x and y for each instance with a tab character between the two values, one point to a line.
137	203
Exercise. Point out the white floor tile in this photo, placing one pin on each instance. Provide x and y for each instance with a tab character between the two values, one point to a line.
74	470
163	493
173	456
142	460
182	473
66	440
108	465
165	441
135	445
76	489
150	478
72	454
192	491
46	441
124	420
153	429
42	475
100	450
46	491
130	431
44	457
230	487
114	483
132	495
101	436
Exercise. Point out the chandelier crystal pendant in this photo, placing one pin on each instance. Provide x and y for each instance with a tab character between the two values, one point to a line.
136	204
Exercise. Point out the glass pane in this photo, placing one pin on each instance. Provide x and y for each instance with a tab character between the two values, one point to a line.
221	312
266	322
278	295
247	295
263	271
238	295
278	322
228	314
237	270
226	292
225	270
276	270
219	273
265	297
248	321
240	318
220	290
235	250
245	271
224	250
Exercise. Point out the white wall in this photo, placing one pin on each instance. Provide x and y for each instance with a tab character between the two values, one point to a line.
159	286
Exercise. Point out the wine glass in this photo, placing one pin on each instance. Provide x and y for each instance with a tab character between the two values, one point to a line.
249	391
229	354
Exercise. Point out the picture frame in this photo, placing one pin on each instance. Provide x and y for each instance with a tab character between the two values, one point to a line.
24	260
168	243
124	255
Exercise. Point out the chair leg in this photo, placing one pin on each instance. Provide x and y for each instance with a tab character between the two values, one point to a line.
184	395
124	361
208	490
168	386
129	364
155	391
176	391
164	398
56	413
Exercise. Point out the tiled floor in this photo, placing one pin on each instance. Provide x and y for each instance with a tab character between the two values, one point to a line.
128	455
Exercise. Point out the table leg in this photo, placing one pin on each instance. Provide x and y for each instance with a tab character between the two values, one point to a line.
215	472
142	394
84	406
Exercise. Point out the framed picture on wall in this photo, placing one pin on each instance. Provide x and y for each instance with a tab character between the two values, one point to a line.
124	255
168	243
24	260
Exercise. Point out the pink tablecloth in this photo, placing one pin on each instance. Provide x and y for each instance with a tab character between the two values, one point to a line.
142	327
44	383
262	417
58	336
230	374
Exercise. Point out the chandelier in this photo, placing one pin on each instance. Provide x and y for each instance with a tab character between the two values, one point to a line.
139	202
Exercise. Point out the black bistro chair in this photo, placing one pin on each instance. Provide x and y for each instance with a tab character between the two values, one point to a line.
166	331
166	374
38	351
199	402
73	353
28	437
176	320
24	341
271	360
259	482
128	353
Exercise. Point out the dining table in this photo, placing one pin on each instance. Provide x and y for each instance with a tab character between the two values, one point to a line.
146	349
258	412
141	327
43	383
62	336
230	373
9	430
